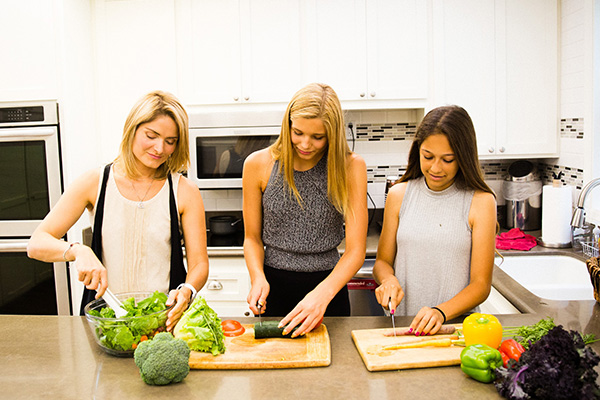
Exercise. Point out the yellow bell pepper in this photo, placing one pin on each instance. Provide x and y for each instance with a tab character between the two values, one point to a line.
482	329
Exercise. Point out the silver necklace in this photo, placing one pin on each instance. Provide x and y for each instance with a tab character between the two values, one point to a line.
141	201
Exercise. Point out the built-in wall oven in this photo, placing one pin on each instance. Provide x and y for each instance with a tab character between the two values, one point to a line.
31	183
221	141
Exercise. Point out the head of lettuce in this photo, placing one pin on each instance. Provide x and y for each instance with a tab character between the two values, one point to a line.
200	328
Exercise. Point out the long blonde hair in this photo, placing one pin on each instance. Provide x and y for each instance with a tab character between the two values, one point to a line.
147	109
317	100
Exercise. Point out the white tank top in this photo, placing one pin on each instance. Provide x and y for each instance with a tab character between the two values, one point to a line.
433	256
136	248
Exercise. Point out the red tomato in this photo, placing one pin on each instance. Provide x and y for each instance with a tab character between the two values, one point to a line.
232	328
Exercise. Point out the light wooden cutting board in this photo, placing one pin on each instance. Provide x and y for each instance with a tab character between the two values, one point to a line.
370	343
245	352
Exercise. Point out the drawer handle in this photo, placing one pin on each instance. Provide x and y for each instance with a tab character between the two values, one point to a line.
214	285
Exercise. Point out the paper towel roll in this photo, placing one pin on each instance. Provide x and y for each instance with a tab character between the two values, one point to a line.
557	203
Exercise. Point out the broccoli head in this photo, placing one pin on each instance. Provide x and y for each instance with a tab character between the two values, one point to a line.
163	359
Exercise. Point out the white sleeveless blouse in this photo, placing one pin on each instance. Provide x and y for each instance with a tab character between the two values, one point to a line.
136	248
433	256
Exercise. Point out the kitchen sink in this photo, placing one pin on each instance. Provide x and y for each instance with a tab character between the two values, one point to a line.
551	277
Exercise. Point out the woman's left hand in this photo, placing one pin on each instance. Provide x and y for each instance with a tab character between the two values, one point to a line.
307	314
427	322
182	299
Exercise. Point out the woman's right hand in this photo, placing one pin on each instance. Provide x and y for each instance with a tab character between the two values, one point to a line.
90	270
389	291
258	294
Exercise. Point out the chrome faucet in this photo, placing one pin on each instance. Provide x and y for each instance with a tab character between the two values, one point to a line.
578	219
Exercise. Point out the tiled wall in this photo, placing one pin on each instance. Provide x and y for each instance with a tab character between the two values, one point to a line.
385	149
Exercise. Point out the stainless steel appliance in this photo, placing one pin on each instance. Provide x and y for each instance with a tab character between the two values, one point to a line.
361	290
31	182
221	141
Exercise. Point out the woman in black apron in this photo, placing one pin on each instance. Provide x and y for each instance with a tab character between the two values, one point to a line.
141	185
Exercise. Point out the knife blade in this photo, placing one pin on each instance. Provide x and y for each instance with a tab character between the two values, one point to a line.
392	315
259	306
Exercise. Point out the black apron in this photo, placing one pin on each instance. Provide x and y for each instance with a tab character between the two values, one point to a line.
177	273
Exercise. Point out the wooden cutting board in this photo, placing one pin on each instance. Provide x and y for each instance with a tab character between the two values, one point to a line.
245	352
370	343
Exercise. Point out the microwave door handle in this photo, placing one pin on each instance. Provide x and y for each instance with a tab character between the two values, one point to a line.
14	247
21	133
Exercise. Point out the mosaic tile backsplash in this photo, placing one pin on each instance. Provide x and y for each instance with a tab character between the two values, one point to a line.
398	131
571	128
492	170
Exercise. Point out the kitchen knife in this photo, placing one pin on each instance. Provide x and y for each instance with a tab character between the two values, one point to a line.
392	315
259	306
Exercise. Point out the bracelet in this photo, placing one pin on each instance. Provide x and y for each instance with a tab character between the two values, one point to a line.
69	248
441	312
189	286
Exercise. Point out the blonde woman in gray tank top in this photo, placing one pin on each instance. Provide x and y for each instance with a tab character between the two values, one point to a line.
436	250
297	196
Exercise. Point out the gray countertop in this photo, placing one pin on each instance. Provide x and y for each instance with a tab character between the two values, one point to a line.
57	357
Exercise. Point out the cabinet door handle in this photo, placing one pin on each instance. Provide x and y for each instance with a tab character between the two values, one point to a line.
214	285
247	313
491	150
236	98
373	94
247	98
502	149
362	94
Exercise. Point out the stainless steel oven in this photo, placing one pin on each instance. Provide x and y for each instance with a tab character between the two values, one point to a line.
221	141
31	182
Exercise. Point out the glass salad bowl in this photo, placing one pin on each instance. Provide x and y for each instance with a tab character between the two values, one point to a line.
146	316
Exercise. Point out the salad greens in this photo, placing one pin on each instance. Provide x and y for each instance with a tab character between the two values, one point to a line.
122	334
201	329
529	334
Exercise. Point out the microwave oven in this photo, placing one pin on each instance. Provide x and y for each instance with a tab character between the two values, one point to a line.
220	145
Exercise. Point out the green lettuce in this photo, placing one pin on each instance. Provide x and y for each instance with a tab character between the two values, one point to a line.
122	334
200	328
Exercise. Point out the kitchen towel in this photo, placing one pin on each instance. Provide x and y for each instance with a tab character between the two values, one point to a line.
515	239
557	207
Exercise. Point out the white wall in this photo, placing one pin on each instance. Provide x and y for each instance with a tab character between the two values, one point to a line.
578	57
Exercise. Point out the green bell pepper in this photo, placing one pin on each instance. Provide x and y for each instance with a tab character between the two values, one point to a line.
479	361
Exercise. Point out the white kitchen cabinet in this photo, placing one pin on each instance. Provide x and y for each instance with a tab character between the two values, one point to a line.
239	51
369	50
29	50
227	287
500	64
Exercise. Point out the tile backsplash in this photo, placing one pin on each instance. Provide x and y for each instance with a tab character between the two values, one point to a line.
385	147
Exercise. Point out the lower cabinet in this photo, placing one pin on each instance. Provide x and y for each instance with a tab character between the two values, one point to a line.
227	287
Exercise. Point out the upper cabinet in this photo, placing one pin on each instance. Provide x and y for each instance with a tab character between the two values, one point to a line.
501	65
29	50
239	51
261	51
372	52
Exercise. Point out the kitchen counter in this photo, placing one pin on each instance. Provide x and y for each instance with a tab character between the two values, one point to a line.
56	357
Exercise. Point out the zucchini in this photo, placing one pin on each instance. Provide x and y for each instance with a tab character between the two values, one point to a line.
269	329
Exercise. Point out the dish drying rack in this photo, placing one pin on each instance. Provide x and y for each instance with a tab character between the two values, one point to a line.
590	249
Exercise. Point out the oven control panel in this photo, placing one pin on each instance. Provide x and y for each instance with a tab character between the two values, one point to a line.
28	113
21	114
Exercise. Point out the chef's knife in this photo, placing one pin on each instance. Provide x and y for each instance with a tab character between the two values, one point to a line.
392	315
259	306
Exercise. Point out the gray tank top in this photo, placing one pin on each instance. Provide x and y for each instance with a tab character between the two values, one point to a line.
305	237
433	256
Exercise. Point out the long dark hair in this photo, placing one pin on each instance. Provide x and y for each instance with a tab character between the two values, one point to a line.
456	124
